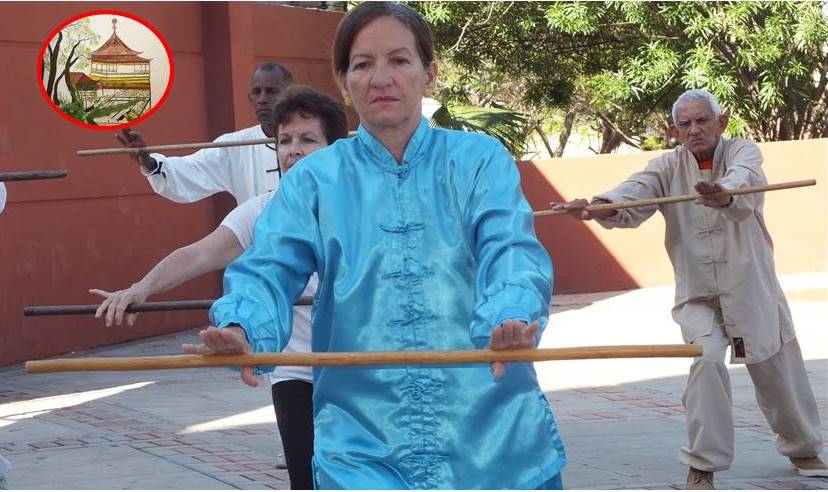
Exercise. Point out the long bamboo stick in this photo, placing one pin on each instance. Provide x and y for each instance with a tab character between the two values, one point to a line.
135	307
682	198
184	146
30	175
421	357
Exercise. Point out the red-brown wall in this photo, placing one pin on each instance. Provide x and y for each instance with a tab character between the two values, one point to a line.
102	226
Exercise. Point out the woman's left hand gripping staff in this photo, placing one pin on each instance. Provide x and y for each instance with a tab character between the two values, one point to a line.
227	341
511	334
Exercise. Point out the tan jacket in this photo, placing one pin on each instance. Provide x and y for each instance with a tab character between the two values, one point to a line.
723	253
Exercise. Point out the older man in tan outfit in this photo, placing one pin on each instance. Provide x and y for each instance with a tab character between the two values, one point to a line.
727	293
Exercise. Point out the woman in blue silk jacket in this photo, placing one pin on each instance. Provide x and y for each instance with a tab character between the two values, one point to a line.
422	240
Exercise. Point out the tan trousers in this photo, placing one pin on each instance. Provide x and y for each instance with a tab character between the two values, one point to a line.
782	391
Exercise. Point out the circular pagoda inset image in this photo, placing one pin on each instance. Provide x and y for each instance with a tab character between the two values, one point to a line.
105	70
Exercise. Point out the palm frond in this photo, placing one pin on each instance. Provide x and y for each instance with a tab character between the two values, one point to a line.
510	127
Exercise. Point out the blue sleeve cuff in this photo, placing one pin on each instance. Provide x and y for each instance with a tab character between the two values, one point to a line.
519	303
258	325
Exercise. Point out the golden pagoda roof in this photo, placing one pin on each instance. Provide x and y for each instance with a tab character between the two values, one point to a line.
116	51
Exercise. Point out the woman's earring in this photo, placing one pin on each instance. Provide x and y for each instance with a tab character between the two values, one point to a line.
348	101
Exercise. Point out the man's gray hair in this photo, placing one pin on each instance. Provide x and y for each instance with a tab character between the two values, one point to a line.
280	69
694	94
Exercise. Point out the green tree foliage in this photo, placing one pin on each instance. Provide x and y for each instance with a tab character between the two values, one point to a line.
618	66
100	108
68	50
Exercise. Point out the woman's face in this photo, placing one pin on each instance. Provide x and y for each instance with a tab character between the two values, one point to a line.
298	137
386	79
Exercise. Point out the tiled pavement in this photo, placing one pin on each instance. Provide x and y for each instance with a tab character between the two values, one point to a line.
621	421
129	446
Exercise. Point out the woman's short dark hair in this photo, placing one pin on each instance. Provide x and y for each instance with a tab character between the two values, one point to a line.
306	102
356	19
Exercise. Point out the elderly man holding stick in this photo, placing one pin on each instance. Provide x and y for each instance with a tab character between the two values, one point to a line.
727	293
243	171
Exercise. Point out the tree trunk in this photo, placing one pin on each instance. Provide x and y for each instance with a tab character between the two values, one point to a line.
72	93
54	94
70	60
610	139
53	60
819	122
543	138
566	131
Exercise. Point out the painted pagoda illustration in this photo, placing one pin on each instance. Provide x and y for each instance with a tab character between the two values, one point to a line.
119	76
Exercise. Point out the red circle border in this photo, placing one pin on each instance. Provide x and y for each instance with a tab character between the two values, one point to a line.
105	12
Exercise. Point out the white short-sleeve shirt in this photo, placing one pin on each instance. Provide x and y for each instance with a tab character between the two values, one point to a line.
242	221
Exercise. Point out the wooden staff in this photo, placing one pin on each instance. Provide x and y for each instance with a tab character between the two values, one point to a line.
185	146
30	175
417	357
135	307
682	198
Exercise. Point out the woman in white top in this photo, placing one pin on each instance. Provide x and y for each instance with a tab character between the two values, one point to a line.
306	121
